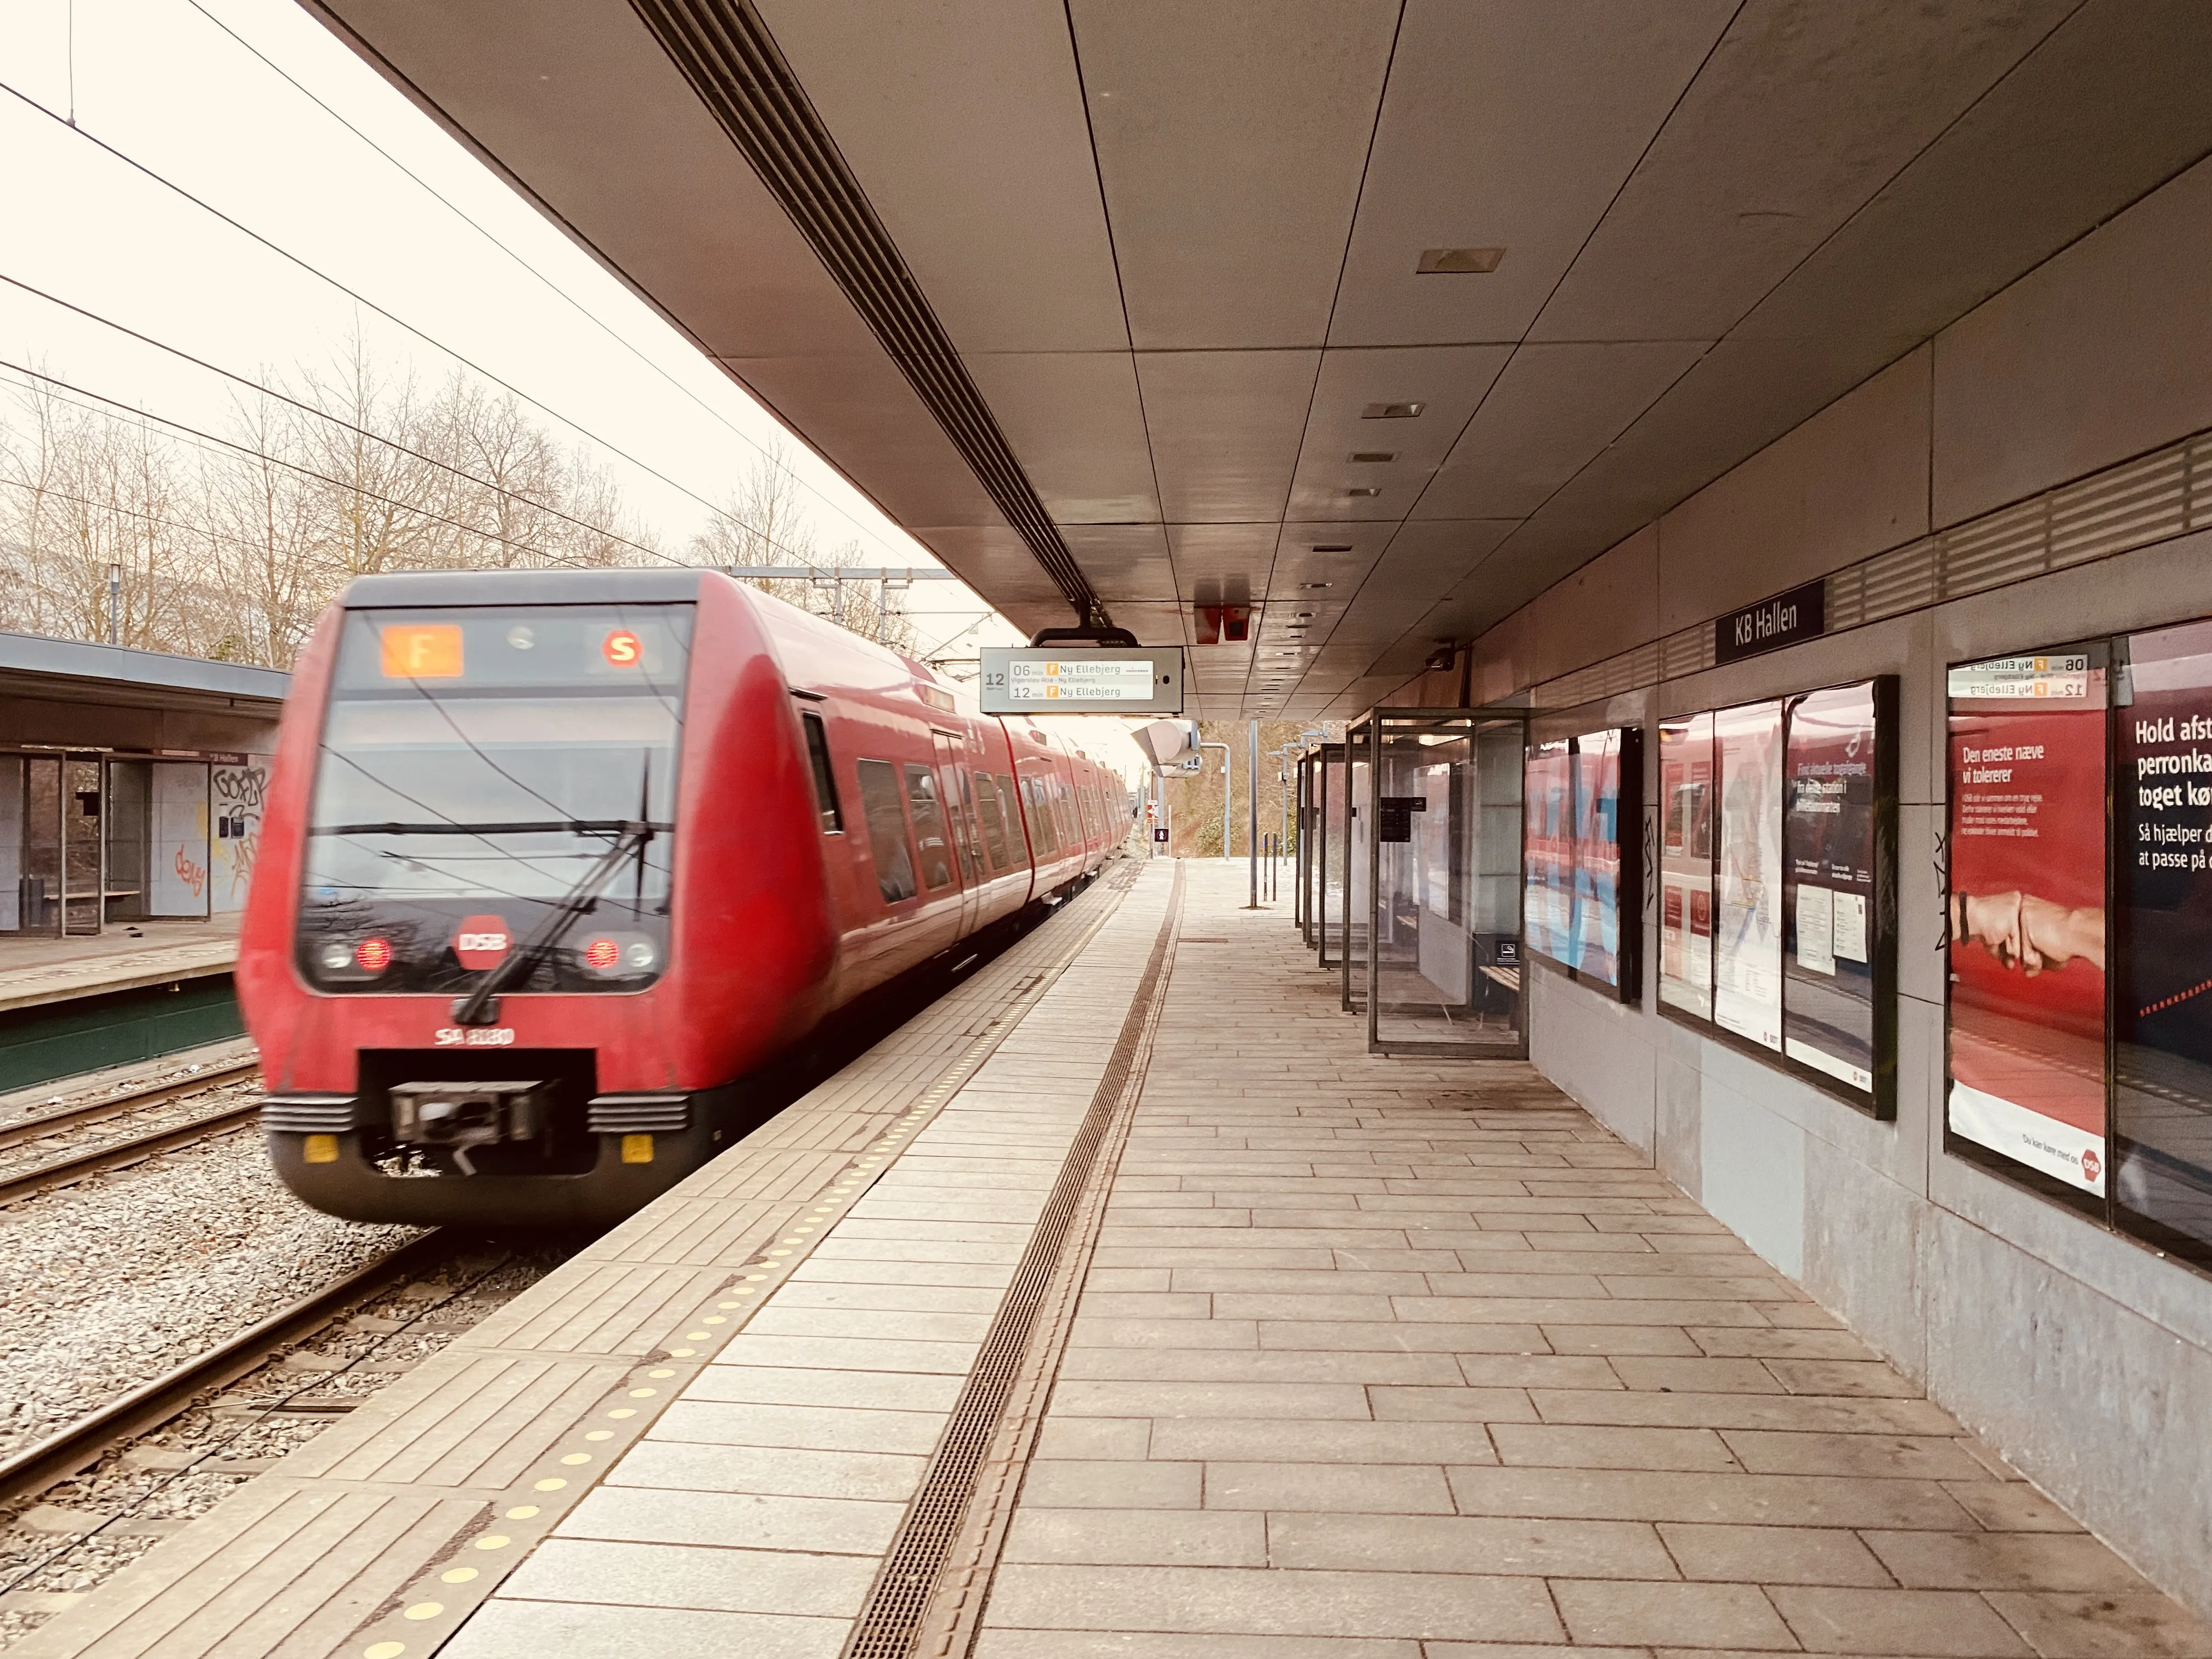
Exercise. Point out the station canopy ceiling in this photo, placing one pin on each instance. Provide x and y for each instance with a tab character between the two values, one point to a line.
1110	302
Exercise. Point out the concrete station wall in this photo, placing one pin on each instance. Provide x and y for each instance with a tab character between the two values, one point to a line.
2085	1357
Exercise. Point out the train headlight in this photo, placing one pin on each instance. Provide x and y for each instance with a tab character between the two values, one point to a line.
641	955
336	956
373	955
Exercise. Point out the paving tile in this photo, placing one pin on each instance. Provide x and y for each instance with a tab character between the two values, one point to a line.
1377	1488
1113	1484
1742	1410
1153	1644
1389	1336
1584	1447
1780	1500
824	1428
845	1525
1419	1543
1089	1331
1735	1342
1700	1615
1951	1624
1841	1376
2004	1560
790	1471
1286	1399
2101	1625
1262	1440
2012	1506
1268	1602
1776	1555
1664	1340
917	1391
510	1629
960	1331
1137	1538
850	1353
1537	1371
727	1580
1922	1457
1091	1438
1695	1375
1142	1305
896	1298
1209	1365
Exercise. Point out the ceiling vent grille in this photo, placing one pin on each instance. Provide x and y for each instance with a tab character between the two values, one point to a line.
726	53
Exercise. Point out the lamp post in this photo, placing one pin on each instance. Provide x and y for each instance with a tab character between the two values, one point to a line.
1228	781
115	604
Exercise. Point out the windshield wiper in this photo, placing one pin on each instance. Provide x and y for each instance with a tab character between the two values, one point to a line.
455	827
481	1005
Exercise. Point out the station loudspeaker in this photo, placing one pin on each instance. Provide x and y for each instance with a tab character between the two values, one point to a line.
1168	743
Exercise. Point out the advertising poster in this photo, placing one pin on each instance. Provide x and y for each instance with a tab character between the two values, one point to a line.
1828	848
1685	864
2162	889
1548	850
1747	911
2027	912
1597	855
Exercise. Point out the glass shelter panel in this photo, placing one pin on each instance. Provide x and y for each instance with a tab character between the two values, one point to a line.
1358	871
1444	806
1333	832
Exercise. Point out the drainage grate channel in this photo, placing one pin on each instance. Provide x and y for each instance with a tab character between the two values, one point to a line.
890	1623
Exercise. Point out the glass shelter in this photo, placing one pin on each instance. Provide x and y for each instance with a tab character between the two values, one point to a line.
1430	939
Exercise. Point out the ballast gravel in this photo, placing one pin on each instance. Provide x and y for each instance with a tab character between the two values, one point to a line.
113	1281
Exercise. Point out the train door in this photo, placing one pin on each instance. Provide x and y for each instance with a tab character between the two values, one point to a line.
955	786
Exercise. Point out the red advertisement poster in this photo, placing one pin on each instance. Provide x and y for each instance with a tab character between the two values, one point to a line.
2027	912
1685	864
1597	855
2162	888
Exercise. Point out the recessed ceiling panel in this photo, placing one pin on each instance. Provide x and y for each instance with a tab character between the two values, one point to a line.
1124	561
1552	410
1230	139
1802	113
965	126
1077	428
1338	555
1224	428
1345	450
1508	124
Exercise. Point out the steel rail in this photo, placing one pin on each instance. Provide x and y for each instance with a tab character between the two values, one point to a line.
68	1450
136	1100
20	1184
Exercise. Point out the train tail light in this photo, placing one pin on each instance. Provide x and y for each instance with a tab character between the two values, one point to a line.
373	955
601	954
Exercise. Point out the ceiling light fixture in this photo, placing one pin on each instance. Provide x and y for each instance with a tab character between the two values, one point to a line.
1458	261
1367	457
1366	490
1324	550
1391	411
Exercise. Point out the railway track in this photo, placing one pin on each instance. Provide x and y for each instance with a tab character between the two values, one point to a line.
70	1167
77	1445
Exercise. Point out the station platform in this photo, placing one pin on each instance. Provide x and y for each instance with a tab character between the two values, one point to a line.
1122	1303
138	990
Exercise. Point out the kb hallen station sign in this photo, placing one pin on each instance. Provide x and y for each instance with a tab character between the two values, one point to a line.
1785	619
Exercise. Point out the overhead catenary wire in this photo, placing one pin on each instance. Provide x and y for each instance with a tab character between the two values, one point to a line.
596	321
397	321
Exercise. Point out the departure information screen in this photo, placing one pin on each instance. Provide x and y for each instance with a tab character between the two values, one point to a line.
1081	681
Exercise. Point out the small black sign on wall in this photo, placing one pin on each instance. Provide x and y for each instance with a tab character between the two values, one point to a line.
1785	619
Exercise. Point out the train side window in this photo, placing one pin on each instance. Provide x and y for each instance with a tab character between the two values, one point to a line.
1040	824
825	781
879	804
995	823
928	826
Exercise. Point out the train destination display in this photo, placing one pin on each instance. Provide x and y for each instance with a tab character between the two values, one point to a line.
1027	681
1774	906
2027	911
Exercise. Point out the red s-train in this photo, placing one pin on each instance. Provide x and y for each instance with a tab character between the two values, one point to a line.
554	861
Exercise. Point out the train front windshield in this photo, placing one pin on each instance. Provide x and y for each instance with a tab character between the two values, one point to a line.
493	780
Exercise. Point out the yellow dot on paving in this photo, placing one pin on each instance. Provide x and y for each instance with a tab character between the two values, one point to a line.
384	1650
625	1411
663	1372
754	1278
697	1336
523	1512
803	1231
493	1541
553	1484
600	1434
574	1458
682	1354
457	1576
788	1241
741	1291
424	1610
714	1319
643	1394
782	1252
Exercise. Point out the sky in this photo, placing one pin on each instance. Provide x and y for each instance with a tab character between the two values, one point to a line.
349	210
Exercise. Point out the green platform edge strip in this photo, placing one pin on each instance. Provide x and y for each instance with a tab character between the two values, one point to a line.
60	1039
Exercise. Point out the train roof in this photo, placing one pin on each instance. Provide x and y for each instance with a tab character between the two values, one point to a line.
624	586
